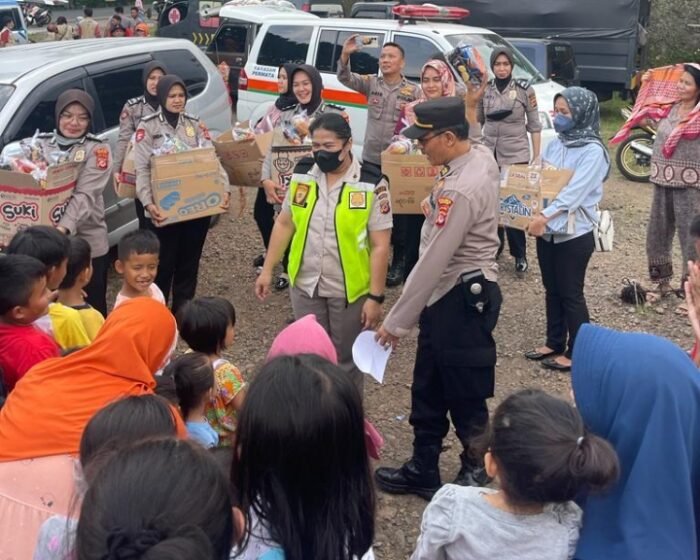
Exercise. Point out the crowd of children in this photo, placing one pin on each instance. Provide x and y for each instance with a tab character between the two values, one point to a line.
180	458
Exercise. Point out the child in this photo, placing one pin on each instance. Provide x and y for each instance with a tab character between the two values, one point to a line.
24	297
137	263
114	427
301	467
542	457
194	381
207	325
70	292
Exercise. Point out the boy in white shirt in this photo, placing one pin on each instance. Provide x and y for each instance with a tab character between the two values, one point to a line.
137	264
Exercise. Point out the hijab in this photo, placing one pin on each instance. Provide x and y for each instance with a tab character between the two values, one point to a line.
165	84
67	98
641	393
502	83
152	100
287	100
585	113
449	87
316	85
49	407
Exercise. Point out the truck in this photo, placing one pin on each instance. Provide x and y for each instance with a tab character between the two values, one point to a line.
608	37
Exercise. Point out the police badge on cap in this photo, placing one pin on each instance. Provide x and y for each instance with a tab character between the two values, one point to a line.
435	115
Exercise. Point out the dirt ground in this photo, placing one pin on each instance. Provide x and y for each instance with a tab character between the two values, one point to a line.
226	271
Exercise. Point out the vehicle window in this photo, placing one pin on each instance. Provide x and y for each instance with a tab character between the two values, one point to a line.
185	64
418	52
285	43
563	63
529	53
330	45
370	14
230	39
114	88
5	93
14	14
485	44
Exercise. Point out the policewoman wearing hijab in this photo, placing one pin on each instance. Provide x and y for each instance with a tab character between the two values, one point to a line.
307	88
84	215
134	110
564	229
181	243
336	219
263	211
641	393
508	111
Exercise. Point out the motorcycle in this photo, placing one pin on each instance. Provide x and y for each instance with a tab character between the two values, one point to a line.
38	16
633	156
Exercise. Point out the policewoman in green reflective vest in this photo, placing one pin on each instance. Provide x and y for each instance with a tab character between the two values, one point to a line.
337	218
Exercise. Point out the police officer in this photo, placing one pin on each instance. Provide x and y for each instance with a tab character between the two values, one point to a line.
386	95
84	214
336	219
508	112
181	243
134	110
453	296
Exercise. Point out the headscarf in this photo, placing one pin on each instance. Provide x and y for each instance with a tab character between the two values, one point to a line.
449	88
152	100
64	100
316	85
501	83
49	407
642	394
585	113
165	84
287	100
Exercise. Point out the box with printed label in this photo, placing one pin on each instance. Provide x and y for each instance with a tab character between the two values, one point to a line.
411	179
126	188
525	191
243	159
187	185
26	202
284	160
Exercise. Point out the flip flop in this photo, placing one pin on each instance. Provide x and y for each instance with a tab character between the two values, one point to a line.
551	363
536	356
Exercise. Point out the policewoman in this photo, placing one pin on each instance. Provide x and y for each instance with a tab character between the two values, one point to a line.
181	243
508	112
336	219
453	297
134	110
84	215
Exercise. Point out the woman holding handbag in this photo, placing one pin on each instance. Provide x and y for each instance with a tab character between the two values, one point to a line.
565	229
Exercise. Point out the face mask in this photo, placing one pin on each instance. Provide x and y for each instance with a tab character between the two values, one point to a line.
327	161
562	123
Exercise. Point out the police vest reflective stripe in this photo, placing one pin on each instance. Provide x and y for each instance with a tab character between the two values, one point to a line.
352	213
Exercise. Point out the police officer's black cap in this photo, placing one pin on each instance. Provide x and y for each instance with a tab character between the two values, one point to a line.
436	115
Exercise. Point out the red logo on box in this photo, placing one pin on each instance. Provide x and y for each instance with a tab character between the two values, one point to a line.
12	211
419	171
406	172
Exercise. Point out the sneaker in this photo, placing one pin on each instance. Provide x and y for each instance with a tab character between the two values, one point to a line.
521	265
282	282
259	260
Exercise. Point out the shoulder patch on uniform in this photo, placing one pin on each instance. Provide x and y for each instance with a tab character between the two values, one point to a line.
381	192
532	100
102	157
139	134
444	203
304	165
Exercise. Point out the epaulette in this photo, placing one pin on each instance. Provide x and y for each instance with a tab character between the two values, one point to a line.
90	136
334	106
522	83
45	135
304	165
191	117
136	100
370	174
150	117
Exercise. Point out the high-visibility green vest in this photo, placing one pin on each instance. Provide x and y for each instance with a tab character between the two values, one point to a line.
352	213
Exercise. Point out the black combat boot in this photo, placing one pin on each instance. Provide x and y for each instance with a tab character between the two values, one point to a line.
396	272
420	475
471	473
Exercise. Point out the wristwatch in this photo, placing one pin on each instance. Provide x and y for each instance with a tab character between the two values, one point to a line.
378	299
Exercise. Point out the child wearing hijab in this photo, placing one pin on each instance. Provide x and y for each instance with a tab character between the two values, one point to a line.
564	229
641	393
542	456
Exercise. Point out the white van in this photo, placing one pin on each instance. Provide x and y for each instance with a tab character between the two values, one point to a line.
317	41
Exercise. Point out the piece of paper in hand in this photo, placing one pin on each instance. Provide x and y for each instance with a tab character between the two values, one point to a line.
369	356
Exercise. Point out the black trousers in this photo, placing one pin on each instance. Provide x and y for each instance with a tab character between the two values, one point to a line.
96	290
517	242
144	222
264	216
563	267
455	366
181	247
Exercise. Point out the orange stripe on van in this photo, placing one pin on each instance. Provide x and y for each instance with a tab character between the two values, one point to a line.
333	95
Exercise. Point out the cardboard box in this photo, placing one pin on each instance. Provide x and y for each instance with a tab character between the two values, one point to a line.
525	191
411	179
243	160
126	188
284	160
26	202
187	185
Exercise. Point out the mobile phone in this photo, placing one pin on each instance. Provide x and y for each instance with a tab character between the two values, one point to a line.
367	41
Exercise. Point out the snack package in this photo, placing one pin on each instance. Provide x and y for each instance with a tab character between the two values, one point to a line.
401	145
26	156
242	134
468	62
172	145
296	131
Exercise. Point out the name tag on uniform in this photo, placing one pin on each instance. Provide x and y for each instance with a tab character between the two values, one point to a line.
301	194
79	155
358	200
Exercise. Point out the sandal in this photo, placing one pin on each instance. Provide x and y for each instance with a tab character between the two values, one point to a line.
551	363
664	290
536	356
282	282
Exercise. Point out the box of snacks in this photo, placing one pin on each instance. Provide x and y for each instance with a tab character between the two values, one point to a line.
241	152
126	187
291	142
411	177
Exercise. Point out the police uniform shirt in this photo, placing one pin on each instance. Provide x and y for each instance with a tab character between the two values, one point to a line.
508	137
84	214
152	133
320	263
384	105
459	235
134	110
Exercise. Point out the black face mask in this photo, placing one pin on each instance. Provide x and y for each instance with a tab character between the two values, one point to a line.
328	161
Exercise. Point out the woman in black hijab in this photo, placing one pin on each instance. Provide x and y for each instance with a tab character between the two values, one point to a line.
134	110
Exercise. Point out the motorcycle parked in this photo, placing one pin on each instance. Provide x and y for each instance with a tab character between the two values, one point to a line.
633	156
36	15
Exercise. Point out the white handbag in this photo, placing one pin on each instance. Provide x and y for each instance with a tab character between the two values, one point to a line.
604	231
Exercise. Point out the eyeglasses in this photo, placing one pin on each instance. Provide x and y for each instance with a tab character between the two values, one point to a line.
427	138
82	119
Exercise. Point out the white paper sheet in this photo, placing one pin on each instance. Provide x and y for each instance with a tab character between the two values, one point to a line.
369	356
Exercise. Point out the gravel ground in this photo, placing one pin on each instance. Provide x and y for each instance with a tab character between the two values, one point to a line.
226	271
